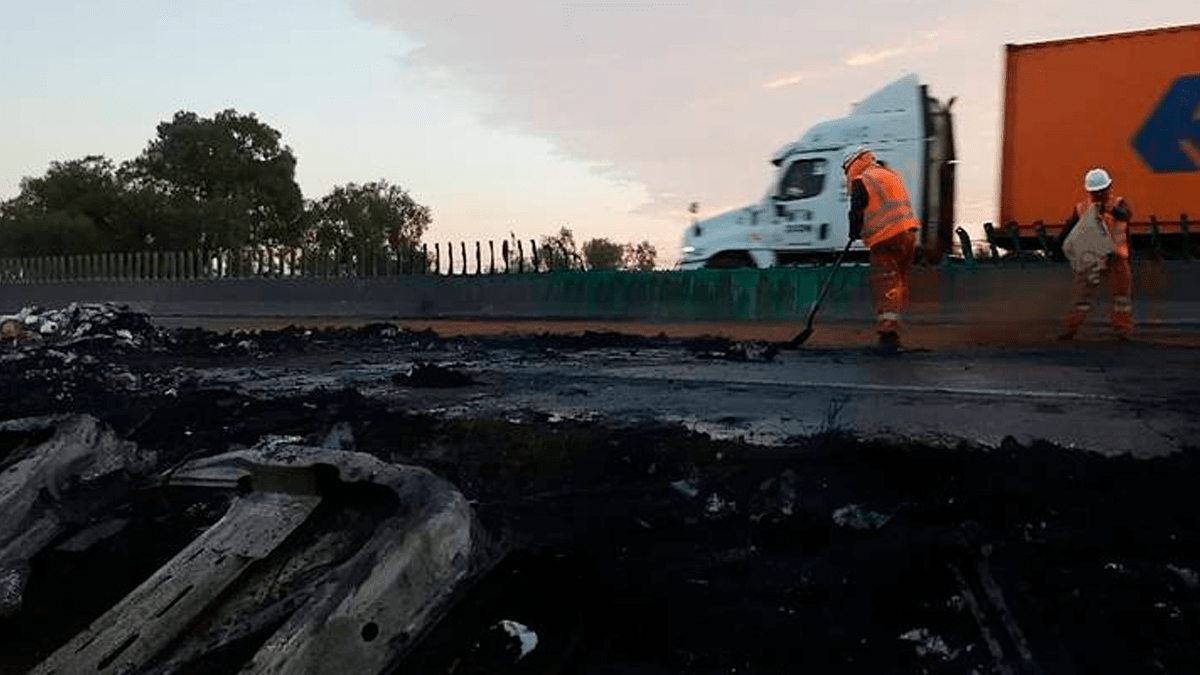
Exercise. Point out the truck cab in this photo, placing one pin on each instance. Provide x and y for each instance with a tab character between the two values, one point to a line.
802	217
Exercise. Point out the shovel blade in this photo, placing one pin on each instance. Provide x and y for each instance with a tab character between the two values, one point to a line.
799	339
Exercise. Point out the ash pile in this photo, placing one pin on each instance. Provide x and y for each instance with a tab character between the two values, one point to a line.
60	360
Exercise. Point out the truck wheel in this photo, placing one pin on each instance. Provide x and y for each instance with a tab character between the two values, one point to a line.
730	260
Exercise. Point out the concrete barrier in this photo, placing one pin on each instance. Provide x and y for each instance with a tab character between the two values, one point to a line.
1005	293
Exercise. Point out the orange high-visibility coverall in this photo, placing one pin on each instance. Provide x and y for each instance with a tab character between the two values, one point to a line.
889	229
1115	215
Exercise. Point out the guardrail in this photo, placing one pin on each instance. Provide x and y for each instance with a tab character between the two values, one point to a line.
1024	295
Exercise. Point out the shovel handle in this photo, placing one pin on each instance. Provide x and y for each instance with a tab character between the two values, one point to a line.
828	282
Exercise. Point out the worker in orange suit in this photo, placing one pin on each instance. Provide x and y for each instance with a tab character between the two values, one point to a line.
881	216
1114	213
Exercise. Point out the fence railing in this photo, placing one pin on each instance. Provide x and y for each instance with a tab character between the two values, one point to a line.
1148	238
484	258
449	259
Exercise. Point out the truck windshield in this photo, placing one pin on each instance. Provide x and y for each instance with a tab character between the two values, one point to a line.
804	178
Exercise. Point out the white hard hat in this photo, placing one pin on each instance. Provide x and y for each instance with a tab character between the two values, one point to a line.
852	153
1096	180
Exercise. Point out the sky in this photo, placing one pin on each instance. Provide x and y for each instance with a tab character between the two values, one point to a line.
523	116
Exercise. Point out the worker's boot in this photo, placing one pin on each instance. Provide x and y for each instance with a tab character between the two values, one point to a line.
1122	323
889	342
1074	322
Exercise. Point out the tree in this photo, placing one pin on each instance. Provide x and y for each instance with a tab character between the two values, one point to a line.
75	208
558	252
355	222
49	234
152	221
602	254
85	186
226	180
204	183
641	257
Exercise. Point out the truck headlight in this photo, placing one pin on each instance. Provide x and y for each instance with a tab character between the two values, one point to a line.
689	249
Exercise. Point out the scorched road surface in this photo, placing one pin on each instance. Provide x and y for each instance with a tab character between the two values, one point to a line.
684	505
1139	397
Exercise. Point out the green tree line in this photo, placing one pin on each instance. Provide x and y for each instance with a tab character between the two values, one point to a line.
228	182
560	252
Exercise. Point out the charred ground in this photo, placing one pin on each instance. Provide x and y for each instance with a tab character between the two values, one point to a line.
644	547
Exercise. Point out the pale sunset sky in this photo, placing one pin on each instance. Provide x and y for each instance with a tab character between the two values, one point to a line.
525	115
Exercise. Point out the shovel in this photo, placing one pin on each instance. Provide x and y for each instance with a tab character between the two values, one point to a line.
804	334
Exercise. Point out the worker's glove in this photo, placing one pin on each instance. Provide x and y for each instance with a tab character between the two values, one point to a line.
856	225
1121	212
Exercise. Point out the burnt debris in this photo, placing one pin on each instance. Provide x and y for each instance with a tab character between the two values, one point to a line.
379	538
422	374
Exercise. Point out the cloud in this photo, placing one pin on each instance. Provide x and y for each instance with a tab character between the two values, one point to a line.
805	77
786	81
670	98
691	98
868	58
927	43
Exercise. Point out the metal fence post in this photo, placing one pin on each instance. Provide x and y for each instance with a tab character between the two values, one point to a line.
1041	234
965	241
1016	238
1187	237
991	239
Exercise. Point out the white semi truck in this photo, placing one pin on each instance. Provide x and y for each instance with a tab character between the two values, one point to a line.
802	219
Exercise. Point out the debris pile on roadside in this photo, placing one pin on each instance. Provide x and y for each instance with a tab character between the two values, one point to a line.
112	321
724	349
295	340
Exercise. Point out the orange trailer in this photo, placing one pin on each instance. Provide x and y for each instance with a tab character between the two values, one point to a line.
1129	102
